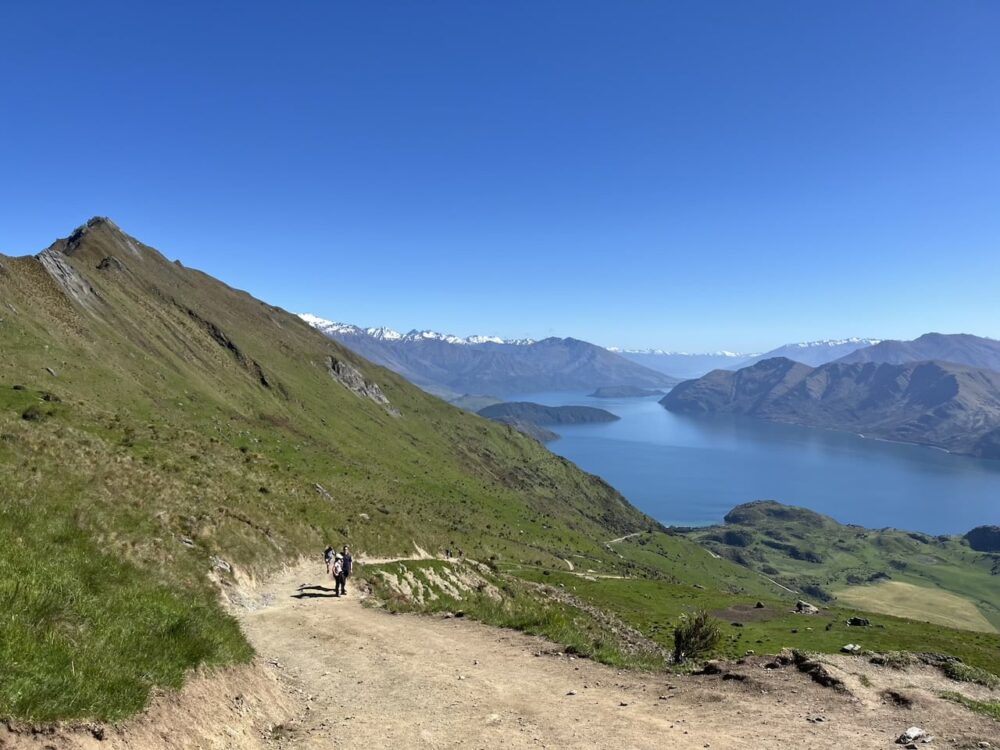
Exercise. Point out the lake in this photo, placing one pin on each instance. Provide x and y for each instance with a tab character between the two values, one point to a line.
690	471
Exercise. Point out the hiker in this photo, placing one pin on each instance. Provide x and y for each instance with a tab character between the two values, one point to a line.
338	574
328	559
346	567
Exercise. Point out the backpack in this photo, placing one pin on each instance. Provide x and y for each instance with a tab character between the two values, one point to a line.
338	567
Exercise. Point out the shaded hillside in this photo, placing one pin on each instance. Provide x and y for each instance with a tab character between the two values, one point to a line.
158	428
449	366
961	348
932	403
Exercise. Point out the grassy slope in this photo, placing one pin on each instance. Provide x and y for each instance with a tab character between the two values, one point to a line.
155	450
661	577
803	549
159	449
916	602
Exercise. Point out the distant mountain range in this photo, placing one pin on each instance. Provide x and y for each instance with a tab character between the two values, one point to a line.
942	404
682	364
686	365
333	329
450	366
813	353
962	348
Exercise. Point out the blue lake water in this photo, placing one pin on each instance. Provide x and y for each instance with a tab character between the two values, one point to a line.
692	470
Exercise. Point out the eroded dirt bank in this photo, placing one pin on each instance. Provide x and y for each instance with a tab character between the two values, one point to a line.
227	709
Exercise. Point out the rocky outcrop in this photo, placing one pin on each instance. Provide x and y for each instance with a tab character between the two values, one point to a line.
223	340
351	378
71	282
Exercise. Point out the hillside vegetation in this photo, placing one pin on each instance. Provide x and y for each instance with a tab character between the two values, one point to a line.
162	434
829	561
158	427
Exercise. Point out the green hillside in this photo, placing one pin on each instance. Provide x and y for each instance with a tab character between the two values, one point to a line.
162	434
159	426
946	581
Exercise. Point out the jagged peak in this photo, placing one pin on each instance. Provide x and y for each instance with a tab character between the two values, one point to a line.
93	228
77	235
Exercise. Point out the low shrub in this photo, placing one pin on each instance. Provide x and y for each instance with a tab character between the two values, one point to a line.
696	636
960	672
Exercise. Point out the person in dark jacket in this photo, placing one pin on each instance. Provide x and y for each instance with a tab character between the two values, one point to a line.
346	567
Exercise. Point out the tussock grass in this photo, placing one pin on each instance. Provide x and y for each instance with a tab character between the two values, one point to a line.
86	635
986	708
967	673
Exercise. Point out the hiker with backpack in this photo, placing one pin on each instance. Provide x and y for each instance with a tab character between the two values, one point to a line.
346	568
337	569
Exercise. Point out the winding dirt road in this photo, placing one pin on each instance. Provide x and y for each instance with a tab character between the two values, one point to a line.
374	680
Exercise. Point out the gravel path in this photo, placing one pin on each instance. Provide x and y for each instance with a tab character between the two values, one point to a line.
375	680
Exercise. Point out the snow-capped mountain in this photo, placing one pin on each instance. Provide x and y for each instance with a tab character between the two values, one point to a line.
814	353
663	353
382	333
450	366
829	343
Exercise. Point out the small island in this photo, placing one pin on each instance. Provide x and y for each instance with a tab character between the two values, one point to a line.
526	412
529	418
624	391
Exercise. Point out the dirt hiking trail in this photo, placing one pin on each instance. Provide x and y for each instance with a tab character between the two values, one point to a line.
366	678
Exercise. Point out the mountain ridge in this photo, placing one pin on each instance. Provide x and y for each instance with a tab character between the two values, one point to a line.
961	348
450	366
939	404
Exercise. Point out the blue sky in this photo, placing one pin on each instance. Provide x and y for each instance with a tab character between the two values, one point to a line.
684	175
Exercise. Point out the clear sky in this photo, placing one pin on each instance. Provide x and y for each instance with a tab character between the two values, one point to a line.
687	175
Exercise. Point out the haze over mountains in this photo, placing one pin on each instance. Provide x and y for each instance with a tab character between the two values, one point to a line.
686	365
451	366
813	353
682	364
